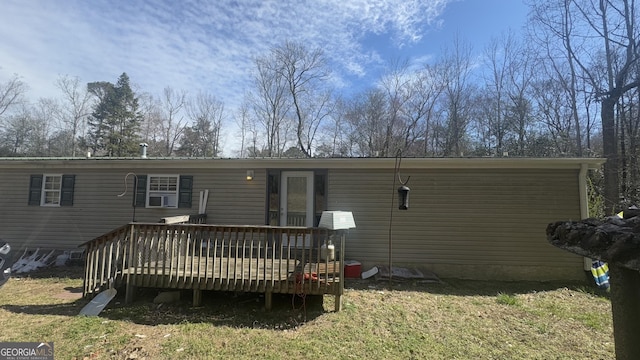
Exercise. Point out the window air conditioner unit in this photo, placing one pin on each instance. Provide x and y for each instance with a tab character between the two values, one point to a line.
162	201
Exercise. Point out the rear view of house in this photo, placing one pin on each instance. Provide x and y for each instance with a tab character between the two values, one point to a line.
481	218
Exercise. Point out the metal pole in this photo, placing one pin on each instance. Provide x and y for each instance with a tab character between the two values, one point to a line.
393	191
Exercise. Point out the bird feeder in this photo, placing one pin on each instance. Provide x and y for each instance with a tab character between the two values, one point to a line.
403	197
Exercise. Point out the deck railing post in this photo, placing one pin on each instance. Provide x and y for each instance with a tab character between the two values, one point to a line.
89	279
340	291
130	266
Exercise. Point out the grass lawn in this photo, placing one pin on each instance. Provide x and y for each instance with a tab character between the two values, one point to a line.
412	320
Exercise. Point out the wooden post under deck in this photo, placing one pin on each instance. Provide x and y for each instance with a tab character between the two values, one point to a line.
197	297
268	300
128	294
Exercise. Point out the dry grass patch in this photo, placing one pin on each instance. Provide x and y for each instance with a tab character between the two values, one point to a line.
454	320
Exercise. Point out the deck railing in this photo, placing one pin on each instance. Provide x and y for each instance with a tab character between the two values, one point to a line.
268	259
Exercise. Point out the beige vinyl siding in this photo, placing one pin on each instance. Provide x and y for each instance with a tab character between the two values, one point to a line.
232	199
42	227
98	209
473	223
470	218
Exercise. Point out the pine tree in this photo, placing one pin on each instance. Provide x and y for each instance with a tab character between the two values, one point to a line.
115	122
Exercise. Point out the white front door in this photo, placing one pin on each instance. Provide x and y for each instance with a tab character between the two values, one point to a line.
296	204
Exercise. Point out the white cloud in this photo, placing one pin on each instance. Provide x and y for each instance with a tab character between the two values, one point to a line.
192	44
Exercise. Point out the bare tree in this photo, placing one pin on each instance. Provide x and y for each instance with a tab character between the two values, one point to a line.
621	51
202	138
590	105
396	86
304	72
556	22
522	73
397	115
242	120
336	138
151	130
74	109
270	106
457	95
17	129
554	111
421	110
590	28
11	93
504	110
172	121
367	114
29	131
244	123
43	115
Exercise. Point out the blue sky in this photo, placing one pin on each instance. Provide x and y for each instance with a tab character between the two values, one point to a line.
208	45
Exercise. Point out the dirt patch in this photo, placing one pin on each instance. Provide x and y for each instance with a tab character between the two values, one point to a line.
69	294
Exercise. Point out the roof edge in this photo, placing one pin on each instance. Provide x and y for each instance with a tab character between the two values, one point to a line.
313	163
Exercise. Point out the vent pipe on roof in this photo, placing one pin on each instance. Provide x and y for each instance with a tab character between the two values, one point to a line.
143	150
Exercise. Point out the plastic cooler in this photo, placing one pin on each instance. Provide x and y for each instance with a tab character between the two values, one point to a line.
352	269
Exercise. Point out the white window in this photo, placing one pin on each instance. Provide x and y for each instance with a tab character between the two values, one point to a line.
162	191
51	189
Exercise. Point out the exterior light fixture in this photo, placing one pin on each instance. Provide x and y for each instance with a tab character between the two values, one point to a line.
249	175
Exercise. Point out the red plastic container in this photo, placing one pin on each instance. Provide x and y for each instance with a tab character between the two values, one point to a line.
352	269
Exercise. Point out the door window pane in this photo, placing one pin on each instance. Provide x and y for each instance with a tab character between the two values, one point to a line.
296	201
274	199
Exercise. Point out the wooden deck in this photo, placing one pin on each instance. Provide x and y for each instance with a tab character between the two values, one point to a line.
198	257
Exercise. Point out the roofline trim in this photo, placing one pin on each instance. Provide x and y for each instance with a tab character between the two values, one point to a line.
313	163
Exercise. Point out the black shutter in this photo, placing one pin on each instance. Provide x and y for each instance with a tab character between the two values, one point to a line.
273	198
320	194
185	191
35	189
66	193
140	191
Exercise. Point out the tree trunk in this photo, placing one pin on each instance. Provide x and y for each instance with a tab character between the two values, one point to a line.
625	308
617	242
610	152
622	123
